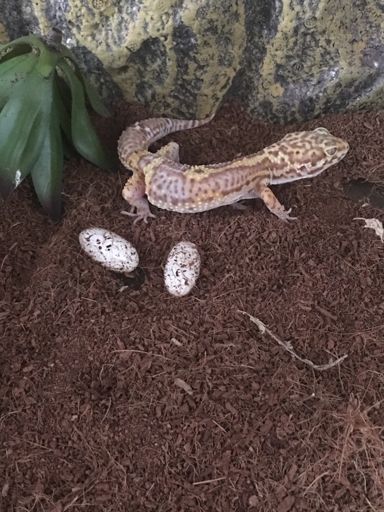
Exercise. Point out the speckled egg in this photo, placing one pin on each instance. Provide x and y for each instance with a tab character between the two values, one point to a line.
109	249
182	269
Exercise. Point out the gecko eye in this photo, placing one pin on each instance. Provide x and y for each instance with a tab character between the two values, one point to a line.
321	129
330	151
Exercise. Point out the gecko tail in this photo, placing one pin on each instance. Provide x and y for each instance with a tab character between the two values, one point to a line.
144	133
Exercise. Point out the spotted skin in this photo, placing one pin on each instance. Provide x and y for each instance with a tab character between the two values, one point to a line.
171	185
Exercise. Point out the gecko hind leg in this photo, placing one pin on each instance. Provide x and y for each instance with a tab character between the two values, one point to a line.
170	151
134	192
134	189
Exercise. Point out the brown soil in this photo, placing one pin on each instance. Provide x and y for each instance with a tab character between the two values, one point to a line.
91	418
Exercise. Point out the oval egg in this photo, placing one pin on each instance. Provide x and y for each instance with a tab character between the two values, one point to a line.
182	269
109	249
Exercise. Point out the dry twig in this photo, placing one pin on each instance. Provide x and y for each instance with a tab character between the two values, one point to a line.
287	346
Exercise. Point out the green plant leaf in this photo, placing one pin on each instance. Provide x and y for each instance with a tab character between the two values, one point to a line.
46	63
12	72
92	95
62	103
22	122
44	117
47	171
62	100
94	98
10	65
14	52
17	44
69	150
84	137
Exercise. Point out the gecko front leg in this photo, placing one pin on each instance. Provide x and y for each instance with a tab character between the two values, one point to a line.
134	192
274	205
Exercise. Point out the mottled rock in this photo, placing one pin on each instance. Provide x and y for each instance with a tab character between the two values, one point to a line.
284	59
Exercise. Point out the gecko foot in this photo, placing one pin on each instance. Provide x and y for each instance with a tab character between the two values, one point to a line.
141	214
284	214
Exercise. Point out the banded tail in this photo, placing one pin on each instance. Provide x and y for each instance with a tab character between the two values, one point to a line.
144	133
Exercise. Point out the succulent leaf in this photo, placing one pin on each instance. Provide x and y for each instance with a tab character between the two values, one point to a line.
84	137
48	168
44	117
22	123
13	71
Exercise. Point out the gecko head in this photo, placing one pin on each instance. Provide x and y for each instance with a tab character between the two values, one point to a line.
309	153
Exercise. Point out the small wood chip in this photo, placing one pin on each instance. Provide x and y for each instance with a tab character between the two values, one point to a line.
253	501
5	489
183	385
286	504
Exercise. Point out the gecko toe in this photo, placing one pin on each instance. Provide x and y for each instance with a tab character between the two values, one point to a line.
284	215
129	214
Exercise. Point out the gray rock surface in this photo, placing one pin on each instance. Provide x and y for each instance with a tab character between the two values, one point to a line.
283	59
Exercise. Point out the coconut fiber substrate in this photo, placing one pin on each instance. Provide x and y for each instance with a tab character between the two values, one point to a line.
116	396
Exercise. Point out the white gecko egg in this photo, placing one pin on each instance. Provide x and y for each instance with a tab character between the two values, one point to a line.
109	249
182	269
